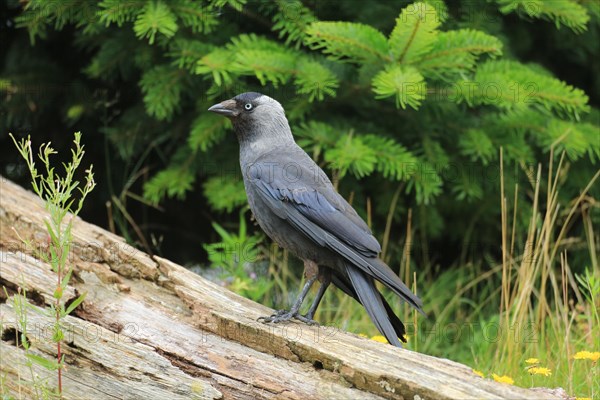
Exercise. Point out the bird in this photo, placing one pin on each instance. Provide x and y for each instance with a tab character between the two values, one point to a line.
297	206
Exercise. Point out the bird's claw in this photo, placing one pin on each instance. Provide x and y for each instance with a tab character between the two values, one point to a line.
306	320
284	315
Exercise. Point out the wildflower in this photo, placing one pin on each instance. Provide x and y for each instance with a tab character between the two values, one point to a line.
503	379
583	398
477	372
540	371
379	338
532	361
587	355
362	335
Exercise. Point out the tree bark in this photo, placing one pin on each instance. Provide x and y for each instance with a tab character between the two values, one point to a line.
149	328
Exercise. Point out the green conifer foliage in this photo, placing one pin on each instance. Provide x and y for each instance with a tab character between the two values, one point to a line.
420	95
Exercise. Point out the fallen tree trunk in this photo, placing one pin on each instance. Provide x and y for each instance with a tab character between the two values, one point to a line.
150	328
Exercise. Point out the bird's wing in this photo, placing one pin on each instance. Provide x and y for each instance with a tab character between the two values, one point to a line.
313	205
309	211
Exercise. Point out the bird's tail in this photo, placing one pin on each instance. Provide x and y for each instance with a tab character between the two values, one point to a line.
370	298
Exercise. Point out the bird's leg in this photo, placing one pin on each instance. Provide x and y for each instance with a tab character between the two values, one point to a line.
326	280
283	315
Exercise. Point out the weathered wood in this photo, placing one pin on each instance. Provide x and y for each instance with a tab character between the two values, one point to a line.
150	328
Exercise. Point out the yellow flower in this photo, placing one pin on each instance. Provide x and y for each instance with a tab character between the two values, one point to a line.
540	371
587	355
503	379
583	398
362	335
477	372
532	361
379	338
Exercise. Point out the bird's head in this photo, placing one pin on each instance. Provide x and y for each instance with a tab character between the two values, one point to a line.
248	106
255	117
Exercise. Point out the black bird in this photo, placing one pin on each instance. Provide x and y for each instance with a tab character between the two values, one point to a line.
295	203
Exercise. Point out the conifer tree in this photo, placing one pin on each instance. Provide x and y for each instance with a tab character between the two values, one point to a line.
417	95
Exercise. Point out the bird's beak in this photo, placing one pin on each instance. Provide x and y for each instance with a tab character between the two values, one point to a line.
225	108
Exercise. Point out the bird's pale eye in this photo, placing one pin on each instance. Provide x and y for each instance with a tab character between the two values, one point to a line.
248	106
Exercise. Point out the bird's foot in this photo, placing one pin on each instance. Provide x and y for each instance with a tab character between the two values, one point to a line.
284	315
306	320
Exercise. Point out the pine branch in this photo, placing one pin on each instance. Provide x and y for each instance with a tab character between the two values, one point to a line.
267	65
562	12
316	136
426	183
200	18
464	186
187	53
156	17
206	131
237	5
113	58
352	154
394	161
511	85
162	86
224	193
172	182
291	20
475	144
576	138
314	80
415	32
406	84
119	11
346	41
218	64
455	52
270	62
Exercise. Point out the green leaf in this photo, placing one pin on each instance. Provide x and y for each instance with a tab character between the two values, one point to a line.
415	32
348	41
58	335
75	304
406	84
156	17
50	365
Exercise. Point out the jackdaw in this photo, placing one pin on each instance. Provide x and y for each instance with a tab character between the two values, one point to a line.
295	203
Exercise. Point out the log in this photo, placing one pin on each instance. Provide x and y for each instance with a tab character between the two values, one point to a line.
149	328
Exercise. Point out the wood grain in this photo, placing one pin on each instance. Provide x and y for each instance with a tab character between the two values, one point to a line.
150	329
